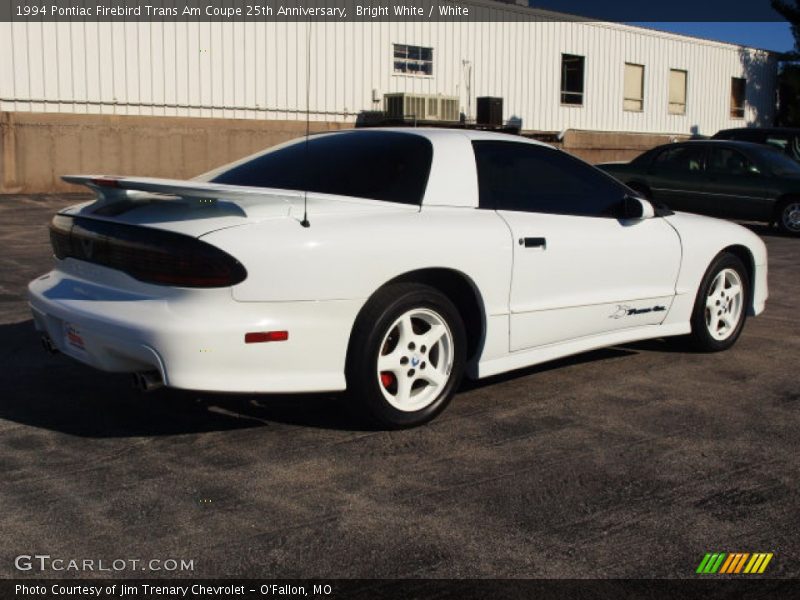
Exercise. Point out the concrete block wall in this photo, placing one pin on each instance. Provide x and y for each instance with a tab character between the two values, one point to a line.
608	146
37	148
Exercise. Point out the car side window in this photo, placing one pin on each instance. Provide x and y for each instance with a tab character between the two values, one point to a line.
729	161
681	158
531	178
778	141
790	145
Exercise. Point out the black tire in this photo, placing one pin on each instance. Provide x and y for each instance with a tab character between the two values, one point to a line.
701	337
786	216
373	325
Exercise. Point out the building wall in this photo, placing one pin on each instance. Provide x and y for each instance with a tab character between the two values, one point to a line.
176	99
258	71
606	146
37	148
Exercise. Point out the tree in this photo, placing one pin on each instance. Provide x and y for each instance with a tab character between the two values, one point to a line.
790	12
789	96
789	76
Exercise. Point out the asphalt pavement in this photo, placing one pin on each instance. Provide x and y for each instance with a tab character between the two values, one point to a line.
627	462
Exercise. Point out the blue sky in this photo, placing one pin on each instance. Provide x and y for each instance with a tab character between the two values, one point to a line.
756	23
770	35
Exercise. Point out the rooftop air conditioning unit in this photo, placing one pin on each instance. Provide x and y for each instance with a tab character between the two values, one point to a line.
421	107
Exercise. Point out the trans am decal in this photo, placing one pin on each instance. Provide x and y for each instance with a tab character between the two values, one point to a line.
623	310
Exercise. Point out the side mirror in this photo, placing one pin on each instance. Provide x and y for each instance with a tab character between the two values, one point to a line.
634	207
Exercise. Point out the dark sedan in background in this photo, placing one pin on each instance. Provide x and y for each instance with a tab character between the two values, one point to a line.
787	139
729	179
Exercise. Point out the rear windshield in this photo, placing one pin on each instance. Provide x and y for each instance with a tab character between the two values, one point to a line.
380	165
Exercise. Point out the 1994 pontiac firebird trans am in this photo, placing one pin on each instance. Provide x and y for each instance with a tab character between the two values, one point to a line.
426	254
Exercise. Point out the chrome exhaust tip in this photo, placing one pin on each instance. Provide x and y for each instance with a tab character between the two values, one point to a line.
147	381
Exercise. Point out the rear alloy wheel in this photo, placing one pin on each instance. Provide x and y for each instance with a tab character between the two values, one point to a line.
789	217
407	355
721	306
416	359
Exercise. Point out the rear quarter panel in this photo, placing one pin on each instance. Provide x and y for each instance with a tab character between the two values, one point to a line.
350	256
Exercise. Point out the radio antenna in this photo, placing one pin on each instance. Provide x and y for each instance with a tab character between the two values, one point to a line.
305	222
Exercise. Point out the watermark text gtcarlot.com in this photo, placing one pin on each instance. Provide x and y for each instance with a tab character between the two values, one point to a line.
45	562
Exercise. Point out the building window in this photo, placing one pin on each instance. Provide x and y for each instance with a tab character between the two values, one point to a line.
677	92
413	60
738	87
572	79
634	87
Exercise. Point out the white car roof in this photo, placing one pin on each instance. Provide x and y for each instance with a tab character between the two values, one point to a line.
434	133
452	181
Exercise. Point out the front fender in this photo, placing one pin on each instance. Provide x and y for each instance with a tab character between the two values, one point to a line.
702	239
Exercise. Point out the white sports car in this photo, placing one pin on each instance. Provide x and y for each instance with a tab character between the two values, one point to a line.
387	262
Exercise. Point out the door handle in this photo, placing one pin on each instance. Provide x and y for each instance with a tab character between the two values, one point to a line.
533	242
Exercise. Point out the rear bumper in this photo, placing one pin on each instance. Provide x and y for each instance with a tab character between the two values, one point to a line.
195	339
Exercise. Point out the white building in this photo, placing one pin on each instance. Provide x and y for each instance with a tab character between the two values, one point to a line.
552	73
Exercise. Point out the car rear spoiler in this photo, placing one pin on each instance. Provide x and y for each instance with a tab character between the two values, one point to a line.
111	189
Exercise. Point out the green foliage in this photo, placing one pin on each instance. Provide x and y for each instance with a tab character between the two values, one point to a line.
789	77
790	10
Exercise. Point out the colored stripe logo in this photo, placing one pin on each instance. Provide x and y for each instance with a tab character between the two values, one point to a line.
734	563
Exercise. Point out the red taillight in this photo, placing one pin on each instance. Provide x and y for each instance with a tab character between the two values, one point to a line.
257	337
146	254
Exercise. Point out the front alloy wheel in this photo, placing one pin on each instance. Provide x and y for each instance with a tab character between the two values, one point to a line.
406	356
724	304
720	308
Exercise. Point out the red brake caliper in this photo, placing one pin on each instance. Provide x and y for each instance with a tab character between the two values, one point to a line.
387	379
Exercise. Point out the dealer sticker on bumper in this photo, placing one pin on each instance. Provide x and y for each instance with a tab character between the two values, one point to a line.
73	339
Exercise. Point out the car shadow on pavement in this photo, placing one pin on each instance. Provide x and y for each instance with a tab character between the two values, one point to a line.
57	393
576	359
764	230
670	345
